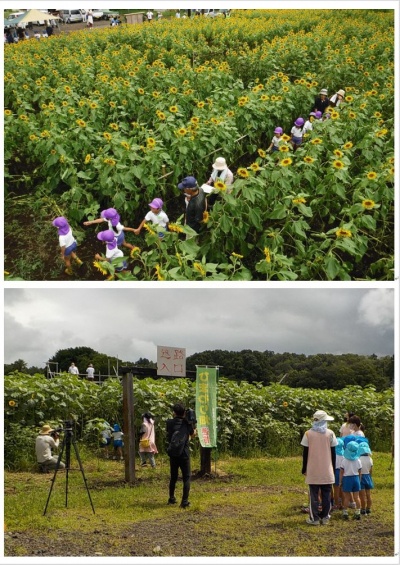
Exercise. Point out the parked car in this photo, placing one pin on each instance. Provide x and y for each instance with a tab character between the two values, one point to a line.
71	16
97	14
12	17
108	14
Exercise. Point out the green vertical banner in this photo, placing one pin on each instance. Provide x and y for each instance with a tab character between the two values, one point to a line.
206	405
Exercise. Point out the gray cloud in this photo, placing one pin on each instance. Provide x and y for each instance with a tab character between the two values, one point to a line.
131	322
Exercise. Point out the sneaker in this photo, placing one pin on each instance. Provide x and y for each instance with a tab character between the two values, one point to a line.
172	500
312	522
68	271
362	511
325	521
144	464
368	511
352	505
184	504
345	516
357	517
78	262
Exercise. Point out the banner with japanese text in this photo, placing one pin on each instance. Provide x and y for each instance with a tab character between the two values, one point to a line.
206	405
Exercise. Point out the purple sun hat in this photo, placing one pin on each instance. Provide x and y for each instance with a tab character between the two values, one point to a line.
108	236
318	114
299	122
62	224
111	215
156	203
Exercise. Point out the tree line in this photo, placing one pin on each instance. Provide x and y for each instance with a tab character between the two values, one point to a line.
320	371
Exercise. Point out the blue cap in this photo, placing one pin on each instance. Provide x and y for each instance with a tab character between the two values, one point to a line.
188	182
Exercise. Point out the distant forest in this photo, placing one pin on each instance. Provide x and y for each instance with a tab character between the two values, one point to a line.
321	371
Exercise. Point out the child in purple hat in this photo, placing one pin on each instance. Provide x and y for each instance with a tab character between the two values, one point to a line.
297	133
276	140
67	242
113	218
156	216
112	251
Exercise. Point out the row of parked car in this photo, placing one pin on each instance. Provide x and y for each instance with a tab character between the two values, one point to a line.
68	16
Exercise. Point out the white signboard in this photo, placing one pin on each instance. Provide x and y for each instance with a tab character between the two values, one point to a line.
171	361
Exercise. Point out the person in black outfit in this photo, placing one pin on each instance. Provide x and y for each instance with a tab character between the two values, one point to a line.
321	102
183	461
196	202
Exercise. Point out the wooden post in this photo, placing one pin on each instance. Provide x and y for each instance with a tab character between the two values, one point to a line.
129	428
205	461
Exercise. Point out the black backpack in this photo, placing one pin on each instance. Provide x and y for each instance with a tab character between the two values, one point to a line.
178	441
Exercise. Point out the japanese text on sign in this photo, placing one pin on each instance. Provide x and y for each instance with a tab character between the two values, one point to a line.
171	361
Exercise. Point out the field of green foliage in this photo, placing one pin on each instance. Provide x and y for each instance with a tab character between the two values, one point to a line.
277	415
116	117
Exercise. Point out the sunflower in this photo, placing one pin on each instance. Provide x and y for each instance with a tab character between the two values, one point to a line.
45	133
199	268
151	142
286	162
264	97
114	127
93	105
335	115
100	267
338	164
352	115
173	89
267	255
107	136
110	162
173	109
148	229
81	123
161	116
309	159
71	110
368	204
12	403
200	104
261	153
160	276
175	227
206	217
233	254
195	120
243	173
371	175
300	200
316	141
140	91
112	104
181	131
255	167
377	115
7	113
343	233
349	99
348	145
338	153
285	404
284	148
87	159
133	252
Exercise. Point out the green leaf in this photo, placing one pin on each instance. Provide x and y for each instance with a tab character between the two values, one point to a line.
332	267
279	212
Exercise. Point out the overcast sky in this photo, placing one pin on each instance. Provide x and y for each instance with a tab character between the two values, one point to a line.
129	323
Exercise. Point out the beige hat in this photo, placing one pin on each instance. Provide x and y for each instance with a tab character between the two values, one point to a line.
220	164
46	429
321	415
341	92
324	91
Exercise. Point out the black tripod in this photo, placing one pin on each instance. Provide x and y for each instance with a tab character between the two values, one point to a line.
67	441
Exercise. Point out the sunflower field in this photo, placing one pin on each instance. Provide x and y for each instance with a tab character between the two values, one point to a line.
118	116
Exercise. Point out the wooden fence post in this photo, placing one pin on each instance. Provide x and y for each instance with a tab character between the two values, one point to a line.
129	428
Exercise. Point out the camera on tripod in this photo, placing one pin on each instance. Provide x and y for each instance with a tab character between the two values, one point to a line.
67	428
190	416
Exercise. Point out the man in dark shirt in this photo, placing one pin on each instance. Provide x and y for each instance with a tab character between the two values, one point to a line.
196	202
181	462
321	102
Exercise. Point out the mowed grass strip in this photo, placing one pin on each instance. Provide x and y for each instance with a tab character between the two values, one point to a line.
251	508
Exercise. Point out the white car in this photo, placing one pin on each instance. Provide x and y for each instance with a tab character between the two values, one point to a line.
97	14
70	16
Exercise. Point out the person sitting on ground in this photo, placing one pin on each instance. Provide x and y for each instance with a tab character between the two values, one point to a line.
45	443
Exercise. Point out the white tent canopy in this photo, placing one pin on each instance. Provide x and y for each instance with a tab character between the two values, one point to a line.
32	16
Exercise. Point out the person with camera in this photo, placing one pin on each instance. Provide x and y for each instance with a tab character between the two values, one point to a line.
180	429
46	441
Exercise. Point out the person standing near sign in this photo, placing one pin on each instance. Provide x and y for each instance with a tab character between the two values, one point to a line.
147	442
179	431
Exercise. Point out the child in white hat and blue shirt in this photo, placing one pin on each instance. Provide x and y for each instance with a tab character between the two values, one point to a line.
350	478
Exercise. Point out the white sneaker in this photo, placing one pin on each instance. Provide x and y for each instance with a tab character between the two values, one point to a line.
325	521
352	505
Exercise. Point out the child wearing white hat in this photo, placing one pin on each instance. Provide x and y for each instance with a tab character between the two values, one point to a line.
337	98
366	477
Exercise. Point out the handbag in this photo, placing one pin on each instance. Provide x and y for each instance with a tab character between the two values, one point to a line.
145	443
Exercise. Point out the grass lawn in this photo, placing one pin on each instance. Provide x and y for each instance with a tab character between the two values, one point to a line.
252	507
